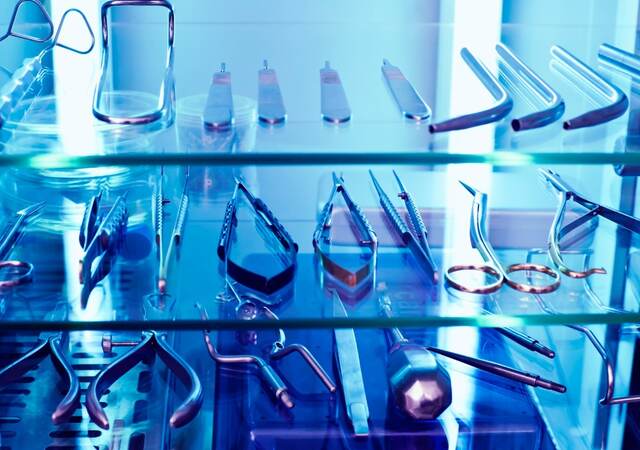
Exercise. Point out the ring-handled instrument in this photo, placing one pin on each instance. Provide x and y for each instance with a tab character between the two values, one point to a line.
348	358
538	88
18	272
416	241
558	231
500	109
493	267
333	100
218	114
151	344
11	31
366	238
52	345
494	368
159	213
165	108
590	83
271	108
101	238
408	100
13	91
265	219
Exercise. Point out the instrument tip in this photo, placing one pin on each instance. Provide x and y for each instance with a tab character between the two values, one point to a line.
471	190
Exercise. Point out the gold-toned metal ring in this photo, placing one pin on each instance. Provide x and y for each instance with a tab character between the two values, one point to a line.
23	273
529	288
485	289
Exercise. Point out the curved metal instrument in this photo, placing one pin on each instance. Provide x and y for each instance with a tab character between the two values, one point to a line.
494	269
166	103
14	16
625	61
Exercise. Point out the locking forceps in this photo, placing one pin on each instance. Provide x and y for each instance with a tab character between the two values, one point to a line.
261	283
101	237
21	272
500	109
31	69
591	81
565	193
152	343
50	344
494	269
166	103
14	16
417	241
366	237
159	202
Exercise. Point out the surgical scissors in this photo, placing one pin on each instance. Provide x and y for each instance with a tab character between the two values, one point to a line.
557	231
494	269
21	272
14	16
166	102
15	89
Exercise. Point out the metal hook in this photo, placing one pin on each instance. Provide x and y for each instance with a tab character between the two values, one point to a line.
55	42
14	16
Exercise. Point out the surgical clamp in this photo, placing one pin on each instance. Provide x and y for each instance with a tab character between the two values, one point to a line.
501	275
416	242
21	271
618	101
554	105
152	343
557	231
14	15
165	108
101	237
500	109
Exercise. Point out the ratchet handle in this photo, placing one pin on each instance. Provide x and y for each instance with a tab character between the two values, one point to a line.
225	232
279	230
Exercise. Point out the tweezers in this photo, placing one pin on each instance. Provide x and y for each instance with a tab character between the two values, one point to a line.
367	238
159	201
409	101
538	88
417	243
50	345
14	15
152	343
271	108
591	81
334	104
254	280
218	110
101	237
625	61
501	108
165	108
565	193
15	89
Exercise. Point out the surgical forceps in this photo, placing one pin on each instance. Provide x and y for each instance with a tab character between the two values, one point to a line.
417	241
618	101
151	344
494	269
159	202
166	102
264	216
557	231
366	238
14	15
554	105
21	272
249	310
500	109
101	237
50	344
15	89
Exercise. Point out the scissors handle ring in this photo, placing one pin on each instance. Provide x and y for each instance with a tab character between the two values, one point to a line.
485	289
530	288
22	273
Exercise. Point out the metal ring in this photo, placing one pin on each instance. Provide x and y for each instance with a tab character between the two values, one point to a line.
531	289
17	279
486	289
